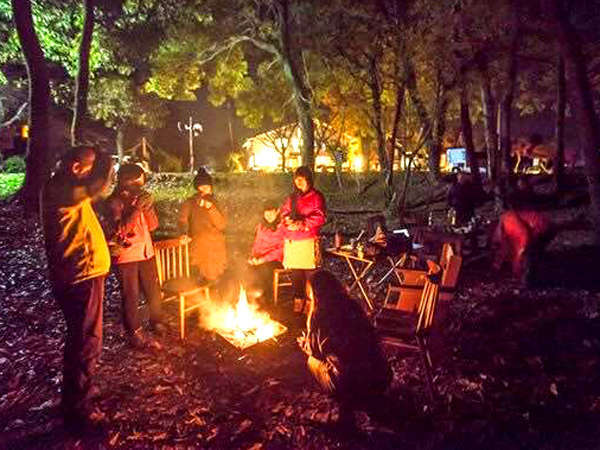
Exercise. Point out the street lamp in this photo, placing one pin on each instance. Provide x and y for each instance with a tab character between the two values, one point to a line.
193	130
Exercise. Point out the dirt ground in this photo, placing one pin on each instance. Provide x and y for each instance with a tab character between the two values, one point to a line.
514	368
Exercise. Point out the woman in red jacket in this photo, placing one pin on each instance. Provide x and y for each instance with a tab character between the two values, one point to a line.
303	214
267	250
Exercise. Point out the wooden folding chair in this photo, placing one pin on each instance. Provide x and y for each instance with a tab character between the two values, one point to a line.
176	283
410	331
281	278
409	291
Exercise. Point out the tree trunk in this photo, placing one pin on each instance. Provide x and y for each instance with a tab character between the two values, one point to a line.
467	132
377	121
400	90
507	101
291	60
439	128
582	102
38	157
417	101
561	97
83	74
489	121
120	143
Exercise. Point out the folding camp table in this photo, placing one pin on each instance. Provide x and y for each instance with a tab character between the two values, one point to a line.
364	266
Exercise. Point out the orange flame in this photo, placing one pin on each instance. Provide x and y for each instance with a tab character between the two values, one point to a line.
244	325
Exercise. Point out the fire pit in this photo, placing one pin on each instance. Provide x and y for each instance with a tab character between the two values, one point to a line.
244	325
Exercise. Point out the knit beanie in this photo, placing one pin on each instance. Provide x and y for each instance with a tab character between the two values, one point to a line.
202	178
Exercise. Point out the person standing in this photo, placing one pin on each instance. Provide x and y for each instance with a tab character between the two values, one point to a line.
463	197
78	261
204	222
131	217
303	214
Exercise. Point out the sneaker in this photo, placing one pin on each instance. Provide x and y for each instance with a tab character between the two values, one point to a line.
140	341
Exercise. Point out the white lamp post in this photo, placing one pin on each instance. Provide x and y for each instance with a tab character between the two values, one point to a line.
194	130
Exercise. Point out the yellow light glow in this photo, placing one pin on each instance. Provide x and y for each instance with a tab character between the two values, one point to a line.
358	163
266	158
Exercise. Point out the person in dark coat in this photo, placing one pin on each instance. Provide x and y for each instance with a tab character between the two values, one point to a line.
343	350
78	262
204	222
381	242
303	214
267	250
463	197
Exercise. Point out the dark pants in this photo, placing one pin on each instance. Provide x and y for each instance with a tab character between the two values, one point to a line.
299	278
261	277
133	276
81	305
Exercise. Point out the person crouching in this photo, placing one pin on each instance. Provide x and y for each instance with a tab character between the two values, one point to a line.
344	353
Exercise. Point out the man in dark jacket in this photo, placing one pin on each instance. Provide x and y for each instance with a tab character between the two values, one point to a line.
463	197
78	261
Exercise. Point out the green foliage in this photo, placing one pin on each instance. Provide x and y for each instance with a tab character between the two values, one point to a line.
14	164
176	72
231	77
115	101
10	183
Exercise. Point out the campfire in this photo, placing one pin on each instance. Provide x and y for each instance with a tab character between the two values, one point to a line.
243	325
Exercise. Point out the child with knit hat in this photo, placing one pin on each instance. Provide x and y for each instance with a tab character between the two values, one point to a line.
204	222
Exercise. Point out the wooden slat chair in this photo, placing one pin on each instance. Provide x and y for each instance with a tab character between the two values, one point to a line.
281	278
176	283
409	330
409	292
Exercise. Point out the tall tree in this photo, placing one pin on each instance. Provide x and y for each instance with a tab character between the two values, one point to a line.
83	73
467	133
559	135
38	156
588	126
506	104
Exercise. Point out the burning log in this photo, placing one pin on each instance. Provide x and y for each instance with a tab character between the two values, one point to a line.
244	325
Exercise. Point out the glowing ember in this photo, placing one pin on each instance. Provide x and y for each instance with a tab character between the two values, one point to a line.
244	326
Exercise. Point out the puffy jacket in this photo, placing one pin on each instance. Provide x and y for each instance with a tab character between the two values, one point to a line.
268	243
311	212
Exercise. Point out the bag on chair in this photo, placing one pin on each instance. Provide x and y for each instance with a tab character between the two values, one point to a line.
302	254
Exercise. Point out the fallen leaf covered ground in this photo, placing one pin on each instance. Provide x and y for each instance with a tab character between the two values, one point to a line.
514	368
